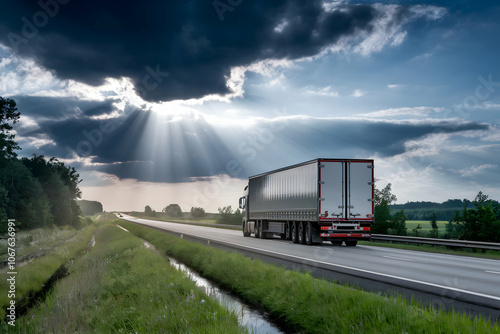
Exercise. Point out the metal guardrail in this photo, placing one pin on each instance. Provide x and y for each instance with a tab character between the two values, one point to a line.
437	242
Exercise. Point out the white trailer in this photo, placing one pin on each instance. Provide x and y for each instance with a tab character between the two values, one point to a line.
312	202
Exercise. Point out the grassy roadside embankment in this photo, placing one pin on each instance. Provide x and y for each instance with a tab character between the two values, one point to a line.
191	221
32	276
307	304
121	286
178	219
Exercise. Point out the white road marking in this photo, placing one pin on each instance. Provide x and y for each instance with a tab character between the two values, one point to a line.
492	272
354	269
398	258
123	228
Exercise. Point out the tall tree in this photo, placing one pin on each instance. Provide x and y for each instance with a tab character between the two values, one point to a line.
481	223
399	223
228	216
34	191
26	202
8	114
173	210
60	184
198	212
385	195
434	232
383	220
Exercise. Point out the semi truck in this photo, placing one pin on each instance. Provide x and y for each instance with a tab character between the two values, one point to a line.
311	202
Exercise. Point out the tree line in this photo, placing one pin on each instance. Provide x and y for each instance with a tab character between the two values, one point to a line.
477	220
427	210
226	214
34	191
89	208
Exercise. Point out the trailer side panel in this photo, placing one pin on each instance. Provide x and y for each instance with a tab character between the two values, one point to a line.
287	194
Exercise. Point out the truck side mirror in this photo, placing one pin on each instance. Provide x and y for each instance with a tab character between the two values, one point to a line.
242	203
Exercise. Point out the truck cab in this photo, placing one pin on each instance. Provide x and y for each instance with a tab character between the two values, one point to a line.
243	207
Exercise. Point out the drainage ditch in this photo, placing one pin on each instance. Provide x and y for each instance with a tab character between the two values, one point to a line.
253	320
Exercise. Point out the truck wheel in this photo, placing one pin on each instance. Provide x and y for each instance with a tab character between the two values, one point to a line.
262	234
309	233
294	233
256	232
300	235
351	243
245	232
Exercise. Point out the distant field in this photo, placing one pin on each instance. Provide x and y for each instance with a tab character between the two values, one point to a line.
196	220
426	225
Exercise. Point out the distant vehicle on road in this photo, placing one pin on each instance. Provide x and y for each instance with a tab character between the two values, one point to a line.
315	201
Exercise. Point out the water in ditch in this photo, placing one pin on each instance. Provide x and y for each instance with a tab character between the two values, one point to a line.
253	320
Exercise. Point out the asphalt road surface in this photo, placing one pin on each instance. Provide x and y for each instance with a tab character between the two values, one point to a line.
446	281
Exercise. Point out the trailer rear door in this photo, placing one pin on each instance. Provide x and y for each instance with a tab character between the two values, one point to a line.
332	179
360	190
346	190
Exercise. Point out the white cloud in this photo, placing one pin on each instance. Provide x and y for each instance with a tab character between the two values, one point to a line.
358	93
398	38
281	26
331	5
24	76
492	134
383	32
386	32
393	86
5	61
325	91
475	170
278	81
419	180
491	105
422	56
35	141
27	123
428	11
404	111
430	145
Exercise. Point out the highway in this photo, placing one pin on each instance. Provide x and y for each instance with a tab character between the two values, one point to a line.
446	281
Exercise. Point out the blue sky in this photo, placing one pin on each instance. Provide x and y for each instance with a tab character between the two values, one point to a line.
180	102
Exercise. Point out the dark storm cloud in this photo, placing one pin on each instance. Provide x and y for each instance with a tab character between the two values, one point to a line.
125	146
263	148
182	49
381	138
147	146
61	107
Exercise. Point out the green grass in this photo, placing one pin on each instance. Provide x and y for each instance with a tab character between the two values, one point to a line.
426	225
307	304
122	287
38	239
31	276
